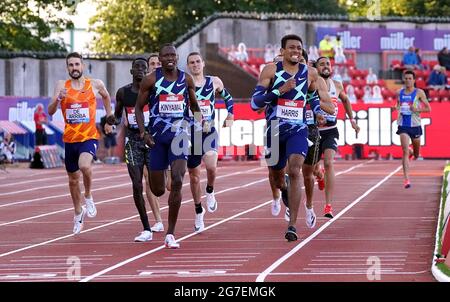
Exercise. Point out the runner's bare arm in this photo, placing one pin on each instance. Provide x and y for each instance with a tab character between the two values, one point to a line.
58	94
422	98
110	120
326	106
147	85
347	105
118	111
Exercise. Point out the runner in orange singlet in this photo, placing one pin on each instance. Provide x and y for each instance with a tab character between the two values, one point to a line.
77	97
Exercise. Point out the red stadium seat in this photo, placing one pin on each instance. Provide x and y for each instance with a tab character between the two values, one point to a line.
434	95
444	95
420	83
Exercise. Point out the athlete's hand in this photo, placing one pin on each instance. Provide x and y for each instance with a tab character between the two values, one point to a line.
414	108
62	94
148	140
228	122
320	119
108	128
287	86
355	126
261	110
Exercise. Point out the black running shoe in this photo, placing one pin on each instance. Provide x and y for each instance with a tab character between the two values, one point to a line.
284	192
291	234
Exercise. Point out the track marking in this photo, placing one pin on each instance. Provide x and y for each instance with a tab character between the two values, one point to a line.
129	260
262	276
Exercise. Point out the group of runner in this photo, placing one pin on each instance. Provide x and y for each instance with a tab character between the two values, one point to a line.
169	117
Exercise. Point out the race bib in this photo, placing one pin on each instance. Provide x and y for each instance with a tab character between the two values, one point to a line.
77	113
171	105
131	116
205	108
289	110
309	115
405	108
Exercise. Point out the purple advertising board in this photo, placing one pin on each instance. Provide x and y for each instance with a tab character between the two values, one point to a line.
376	40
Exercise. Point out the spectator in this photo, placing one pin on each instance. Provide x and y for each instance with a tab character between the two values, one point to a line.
371	77
437	78
109	140
350	90
241	53
232	53
367	98
345	77
419	58
444	58
8	148
40	119
326	47
376	95
313	53
269	53
336	74
410	59
339	56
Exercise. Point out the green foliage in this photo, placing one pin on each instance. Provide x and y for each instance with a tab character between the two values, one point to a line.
136	26
418	8
27	25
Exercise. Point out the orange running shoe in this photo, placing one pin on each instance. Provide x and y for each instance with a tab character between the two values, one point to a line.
321	181
328	211
407	184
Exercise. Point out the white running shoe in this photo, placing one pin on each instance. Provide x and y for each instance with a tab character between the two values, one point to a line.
170	242
157	227
79	221
211	202
199	225
144	236
90	206
310	217
287	215
276	207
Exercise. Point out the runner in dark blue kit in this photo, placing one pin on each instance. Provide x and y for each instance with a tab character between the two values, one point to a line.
172	91
205	140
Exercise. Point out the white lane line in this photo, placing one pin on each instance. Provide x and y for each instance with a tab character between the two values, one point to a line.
58	185
99	189
129	260
63	176
112	199
262	276
121	220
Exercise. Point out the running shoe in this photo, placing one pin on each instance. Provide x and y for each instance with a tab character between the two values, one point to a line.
157	227
276	206
211	202
144	236
291	234
328	211
310	217
199	225
79	221
90	206
170	242
407	184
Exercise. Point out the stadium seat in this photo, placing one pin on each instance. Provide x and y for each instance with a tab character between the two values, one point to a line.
420	83
434	95
444	95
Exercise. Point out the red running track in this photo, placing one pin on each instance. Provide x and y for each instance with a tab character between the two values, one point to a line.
381	231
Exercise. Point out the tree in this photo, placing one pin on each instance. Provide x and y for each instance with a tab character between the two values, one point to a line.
26	25
418	8
136	26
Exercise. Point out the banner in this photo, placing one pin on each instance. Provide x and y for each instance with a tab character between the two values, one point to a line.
378	124
377	40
